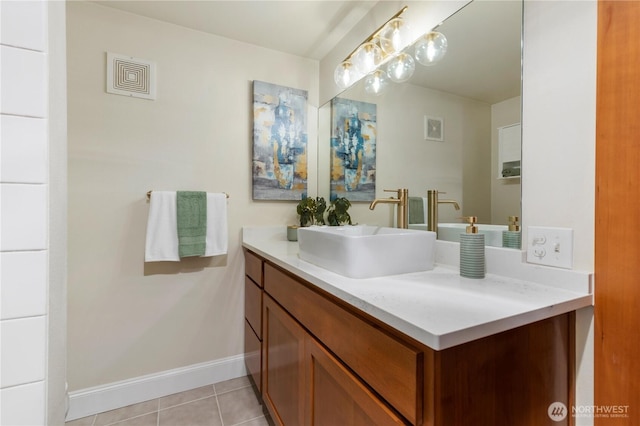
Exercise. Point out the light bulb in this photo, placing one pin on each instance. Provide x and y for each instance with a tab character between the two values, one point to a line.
345	75
376	83
367	57
401	68
395	36
431	48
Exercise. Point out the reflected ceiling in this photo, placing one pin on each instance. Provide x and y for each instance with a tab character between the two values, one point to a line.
496	29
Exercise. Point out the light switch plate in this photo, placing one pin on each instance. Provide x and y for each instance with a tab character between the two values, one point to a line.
550	246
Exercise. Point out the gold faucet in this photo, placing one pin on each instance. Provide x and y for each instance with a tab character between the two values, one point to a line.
403	206
432	208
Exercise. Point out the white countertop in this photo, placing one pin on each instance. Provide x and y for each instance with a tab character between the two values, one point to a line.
439	308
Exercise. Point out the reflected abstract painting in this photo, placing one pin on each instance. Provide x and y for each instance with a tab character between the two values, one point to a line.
353	150
279	142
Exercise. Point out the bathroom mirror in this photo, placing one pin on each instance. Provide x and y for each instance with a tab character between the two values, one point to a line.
473	92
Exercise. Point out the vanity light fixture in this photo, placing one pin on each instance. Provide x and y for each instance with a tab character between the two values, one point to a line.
367	57
346	74
401	68
385	46
376	83
394	36
431	48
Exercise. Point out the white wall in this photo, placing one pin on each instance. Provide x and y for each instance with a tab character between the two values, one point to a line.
558	122
558	141
127	318
24	215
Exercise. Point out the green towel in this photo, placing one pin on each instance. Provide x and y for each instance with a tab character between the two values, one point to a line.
510	171
416	210
192	222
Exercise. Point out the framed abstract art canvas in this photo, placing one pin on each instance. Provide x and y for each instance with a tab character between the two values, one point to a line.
279	169
353	150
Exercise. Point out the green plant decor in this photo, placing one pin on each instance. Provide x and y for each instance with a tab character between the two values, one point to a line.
311	211
320	209
337	213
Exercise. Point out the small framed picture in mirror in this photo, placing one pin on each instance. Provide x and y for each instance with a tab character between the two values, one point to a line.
433	128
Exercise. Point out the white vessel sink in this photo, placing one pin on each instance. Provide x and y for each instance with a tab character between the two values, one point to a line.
365	251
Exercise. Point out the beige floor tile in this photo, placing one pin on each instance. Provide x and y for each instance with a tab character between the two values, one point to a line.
233	384
203	412
84	421
239	405
187	396
146	420
260	421
128	412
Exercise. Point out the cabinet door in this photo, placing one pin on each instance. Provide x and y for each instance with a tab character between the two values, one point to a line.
337	397
283	365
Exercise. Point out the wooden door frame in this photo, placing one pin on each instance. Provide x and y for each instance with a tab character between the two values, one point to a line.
617	209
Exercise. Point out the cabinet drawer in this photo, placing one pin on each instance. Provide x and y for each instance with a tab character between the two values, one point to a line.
337	397
253	306
390	367
253	267
253	355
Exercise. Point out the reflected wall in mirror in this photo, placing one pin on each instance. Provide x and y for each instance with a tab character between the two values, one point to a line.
475	89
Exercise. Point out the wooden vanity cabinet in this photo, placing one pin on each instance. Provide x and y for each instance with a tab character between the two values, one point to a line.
391	367
326	363
304	384
253	297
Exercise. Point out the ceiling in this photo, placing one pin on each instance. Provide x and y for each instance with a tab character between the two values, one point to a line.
483	60
306	28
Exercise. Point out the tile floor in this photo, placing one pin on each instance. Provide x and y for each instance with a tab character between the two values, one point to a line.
229	403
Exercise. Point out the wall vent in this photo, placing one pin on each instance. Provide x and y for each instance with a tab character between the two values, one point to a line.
128	76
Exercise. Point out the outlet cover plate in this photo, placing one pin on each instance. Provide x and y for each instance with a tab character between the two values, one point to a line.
550	246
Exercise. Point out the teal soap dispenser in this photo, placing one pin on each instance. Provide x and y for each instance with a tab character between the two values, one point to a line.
512	237
472	261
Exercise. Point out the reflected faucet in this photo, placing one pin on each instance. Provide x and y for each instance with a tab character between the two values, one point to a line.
432	208
403	206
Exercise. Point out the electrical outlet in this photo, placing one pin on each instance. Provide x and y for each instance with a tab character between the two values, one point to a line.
550	246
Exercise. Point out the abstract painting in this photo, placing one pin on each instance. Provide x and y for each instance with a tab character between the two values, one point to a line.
279	142
353	150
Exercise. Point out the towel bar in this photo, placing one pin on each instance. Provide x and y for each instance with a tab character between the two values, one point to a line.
149	195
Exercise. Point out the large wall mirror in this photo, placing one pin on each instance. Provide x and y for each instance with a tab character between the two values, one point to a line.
476	93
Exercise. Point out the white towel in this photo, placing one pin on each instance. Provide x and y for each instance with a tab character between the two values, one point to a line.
217	233
162	228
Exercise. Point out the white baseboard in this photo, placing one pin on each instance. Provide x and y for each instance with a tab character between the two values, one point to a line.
90	401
